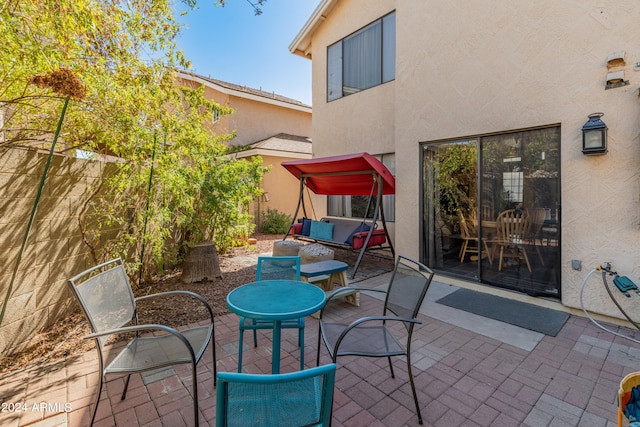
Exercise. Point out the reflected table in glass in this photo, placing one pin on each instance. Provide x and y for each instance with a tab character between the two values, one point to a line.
276	300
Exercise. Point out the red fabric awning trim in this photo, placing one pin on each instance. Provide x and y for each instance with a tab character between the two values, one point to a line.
347	175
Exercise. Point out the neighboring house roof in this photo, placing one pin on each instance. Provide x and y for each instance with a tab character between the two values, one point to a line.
301	45
280	145
245	92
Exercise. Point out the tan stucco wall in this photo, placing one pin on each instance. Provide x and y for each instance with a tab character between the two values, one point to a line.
54	251
256	118
344	126
469	68
360	122
254	121
284	189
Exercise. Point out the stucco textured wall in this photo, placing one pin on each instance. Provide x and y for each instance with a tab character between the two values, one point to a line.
283	192
256	118
362	122
254	121
471	68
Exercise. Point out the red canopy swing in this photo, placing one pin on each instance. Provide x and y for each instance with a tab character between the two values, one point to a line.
358	174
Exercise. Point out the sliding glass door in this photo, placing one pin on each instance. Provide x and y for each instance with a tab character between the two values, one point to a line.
491	208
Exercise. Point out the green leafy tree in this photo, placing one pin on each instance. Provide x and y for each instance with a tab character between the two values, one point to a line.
256	5
124	53
457	177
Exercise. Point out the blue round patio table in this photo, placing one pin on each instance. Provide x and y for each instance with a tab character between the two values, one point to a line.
276	300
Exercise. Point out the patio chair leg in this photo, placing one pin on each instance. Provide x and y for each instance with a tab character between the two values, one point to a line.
301	345
540	256
526	258
240	345
255	335
318	347
195	393
126	386
391	367
463	248
95	407
215	367
413	389
486	247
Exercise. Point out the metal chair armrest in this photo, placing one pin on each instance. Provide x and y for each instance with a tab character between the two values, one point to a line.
146	327
383	318
362	320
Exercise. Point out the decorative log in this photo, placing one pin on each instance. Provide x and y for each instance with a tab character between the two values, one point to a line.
201	263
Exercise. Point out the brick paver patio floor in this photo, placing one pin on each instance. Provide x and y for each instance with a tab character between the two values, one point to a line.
463	379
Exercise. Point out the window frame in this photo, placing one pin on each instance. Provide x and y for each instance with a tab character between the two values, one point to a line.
336	60
341	206
215	116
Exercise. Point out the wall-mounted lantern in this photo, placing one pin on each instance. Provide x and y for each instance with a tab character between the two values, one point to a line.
594	135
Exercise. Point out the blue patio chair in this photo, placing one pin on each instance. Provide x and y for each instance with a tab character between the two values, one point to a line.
105	296
273	268
302	398
377	336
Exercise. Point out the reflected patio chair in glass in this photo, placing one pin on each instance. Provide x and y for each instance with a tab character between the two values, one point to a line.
512	228
536	221
375	335
273	268
105	295
488	214
303	398
471	240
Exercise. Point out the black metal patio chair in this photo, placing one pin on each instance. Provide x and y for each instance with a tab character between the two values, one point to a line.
105	294
375	336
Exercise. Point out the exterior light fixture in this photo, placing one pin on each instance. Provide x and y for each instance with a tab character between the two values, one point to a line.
594	135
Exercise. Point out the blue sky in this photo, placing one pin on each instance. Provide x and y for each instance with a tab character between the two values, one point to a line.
231	44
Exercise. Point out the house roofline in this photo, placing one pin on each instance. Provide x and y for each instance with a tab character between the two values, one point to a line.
265	98
263	148
301	45
272	153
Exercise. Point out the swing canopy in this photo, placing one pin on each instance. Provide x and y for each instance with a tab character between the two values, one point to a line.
347	175
358	174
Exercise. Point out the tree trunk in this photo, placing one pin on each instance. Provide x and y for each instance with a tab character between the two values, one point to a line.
200	264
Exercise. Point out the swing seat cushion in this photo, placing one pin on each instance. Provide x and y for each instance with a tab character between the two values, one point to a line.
296	229
377	238
359	229
321	230
302	227
306	227
346	232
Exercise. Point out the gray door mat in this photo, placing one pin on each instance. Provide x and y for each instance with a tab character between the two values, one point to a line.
539	319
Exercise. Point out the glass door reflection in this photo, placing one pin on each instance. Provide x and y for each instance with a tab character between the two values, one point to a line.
468	184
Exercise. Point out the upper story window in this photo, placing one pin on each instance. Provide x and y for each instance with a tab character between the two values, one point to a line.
365	59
